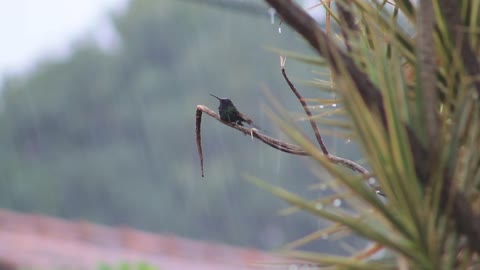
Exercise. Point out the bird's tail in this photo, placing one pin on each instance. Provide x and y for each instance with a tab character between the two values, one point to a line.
249	121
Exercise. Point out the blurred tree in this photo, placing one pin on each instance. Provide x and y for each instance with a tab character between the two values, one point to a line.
108	135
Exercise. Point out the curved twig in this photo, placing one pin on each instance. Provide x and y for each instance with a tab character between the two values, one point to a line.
272	142
306	26
305	107
198	136
275	143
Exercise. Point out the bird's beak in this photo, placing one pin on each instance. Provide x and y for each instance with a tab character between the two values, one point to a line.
215	96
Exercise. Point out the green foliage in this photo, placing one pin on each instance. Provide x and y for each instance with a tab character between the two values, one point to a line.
413	105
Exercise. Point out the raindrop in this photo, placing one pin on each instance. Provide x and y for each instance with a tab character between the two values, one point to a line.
279	30
371	181
321	106
348	141
271	12
319	206
334	105
337	202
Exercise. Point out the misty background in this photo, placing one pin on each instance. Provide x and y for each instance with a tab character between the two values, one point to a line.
97	118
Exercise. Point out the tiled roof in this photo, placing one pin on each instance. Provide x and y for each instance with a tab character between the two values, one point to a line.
41	242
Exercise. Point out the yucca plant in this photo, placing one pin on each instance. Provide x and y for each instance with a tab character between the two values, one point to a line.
407	75
412	99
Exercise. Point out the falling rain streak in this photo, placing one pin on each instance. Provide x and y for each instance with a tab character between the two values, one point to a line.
271	13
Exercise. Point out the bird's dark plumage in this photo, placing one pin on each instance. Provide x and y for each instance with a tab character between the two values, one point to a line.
229	113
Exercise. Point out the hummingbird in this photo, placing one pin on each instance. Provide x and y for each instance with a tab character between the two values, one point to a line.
229	113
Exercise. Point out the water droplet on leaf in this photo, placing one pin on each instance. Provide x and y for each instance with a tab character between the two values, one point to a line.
337	202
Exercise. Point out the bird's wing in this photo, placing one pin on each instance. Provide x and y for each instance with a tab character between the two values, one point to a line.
248	120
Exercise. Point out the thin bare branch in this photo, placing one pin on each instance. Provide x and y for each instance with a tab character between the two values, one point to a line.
348	164
198	137
272	142
306	26
277	144
305	107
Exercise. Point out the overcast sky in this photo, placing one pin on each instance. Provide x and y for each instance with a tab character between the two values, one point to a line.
32	29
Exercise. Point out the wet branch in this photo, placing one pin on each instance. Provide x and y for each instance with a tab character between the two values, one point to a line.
305	107
277	144
272	142
306	26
